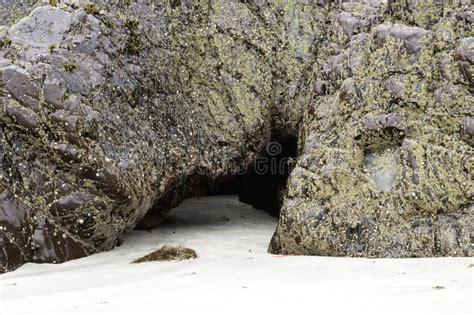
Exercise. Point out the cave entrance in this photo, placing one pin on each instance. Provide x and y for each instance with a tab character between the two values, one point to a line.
263	184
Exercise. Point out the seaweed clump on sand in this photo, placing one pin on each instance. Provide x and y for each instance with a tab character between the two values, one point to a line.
168	253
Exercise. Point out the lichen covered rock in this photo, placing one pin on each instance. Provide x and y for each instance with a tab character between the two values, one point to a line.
113	113
107	121
386	158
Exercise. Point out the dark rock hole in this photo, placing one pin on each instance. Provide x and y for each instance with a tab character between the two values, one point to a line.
262	184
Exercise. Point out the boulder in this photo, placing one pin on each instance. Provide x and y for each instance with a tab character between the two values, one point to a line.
386	160
108	121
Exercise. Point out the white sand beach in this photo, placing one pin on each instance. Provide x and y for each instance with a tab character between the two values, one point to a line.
234	274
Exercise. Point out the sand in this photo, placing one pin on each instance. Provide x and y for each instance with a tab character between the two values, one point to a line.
234	274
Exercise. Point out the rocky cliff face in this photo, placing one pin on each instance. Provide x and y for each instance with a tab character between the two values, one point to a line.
111	114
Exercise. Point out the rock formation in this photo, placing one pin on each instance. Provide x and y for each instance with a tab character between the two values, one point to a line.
113	112
386	161
106	117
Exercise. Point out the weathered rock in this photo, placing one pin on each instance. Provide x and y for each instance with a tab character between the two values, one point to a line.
386	156
108	121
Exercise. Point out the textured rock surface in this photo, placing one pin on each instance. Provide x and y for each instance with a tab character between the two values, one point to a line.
111	114
104	117
387	158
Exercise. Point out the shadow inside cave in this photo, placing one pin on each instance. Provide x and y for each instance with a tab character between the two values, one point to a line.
262	184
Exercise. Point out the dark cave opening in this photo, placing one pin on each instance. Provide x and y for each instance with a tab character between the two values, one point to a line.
263	184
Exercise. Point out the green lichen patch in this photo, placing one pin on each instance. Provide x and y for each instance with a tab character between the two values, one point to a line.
70	66
51	48
7	42
131	24
92	9
134	43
